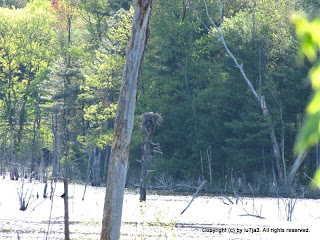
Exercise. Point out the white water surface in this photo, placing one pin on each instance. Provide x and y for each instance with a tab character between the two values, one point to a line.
159	218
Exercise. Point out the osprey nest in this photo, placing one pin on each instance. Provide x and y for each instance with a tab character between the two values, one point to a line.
150	120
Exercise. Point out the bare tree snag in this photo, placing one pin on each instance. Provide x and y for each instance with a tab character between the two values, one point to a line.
149	123
87	177
54	126
194	196
66	209
45	189
258	97
96	167
209	157
118	164
296	166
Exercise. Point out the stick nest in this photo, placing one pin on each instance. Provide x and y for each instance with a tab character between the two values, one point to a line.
150	120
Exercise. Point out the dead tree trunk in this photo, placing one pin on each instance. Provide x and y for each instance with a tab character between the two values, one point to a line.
117	171
66	209
32	173
96	167
258	97
2	172
55	140
87	177
4	160
273	138
317	156
209	157
144	175
295	167
149	122
106	163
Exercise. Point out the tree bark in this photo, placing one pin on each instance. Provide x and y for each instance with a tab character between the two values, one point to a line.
106	163
117	171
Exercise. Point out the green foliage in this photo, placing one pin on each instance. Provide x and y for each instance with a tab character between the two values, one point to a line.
66	59
62	59
190	81
309	134
153	223
103	75
13	3
308	32
315	183
27	46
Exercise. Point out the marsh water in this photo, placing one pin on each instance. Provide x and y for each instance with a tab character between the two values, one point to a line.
208	217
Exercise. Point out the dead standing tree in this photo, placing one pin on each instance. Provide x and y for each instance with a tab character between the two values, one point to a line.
217	30
96	167
118	164
149	123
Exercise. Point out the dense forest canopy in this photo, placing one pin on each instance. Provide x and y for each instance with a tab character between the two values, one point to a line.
61	65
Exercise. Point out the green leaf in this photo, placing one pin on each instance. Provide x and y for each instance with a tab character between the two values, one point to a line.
315	77
314	107
315	183
309	133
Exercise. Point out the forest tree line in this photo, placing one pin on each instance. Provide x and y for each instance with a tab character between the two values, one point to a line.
61	65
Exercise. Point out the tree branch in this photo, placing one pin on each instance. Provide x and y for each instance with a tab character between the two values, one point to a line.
296	166
82	146
221	37
259	98
194	196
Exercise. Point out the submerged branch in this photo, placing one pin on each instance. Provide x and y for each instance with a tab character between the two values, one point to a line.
194	196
